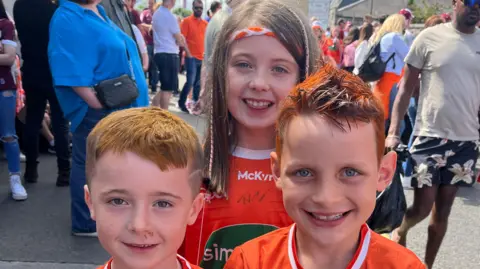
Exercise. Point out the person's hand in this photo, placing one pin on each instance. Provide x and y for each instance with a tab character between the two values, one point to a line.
392	142
199	107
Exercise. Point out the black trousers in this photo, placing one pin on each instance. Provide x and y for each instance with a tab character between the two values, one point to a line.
36	101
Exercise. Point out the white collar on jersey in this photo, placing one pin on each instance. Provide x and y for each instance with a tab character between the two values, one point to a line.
252	154
109	264
358	262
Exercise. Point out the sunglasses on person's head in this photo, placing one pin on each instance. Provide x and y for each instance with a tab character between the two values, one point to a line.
472	3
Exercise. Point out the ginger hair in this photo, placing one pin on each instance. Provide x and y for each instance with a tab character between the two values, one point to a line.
340	97
153	134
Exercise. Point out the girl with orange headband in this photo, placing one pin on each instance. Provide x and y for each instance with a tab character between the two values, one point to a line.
263	50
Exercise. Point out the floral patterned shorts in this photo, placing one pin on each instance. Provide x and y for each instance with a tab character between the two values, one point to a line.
438	161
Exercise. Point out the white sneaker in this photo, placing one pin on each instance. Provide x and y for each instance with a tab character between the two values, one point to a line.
23	158
18	191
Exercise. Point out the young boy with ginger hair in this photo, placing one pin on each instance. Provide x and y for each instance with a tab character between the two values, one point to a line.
144	172
329	164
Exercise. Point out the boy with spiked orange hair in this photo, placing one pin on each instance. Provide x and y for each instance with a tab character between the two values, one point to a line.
329	164
143	186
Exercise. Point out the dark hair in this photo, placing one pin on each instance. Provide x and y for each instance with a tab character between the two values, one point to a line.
340	21
293	31
197	1
3	13
81	2
365	32
215	6
353	35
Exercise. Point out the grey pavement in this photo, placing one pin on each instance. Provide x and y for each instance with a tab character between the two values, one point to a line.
35	234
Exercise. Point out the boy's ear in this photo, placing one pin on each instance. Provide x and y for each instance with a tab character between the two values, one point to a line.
197	206
88	201
275	165
386	172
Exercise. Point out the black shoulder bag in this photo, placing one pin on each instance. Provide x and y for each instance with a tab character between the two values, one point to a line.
118	92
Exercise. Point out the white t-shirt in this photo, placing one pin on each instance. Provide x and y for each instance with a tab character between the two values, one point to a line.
449	98
165	25
361	53
139	38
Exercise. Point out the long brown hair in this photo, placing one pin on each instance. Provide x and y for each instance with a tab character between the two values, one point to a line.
365	33
292	30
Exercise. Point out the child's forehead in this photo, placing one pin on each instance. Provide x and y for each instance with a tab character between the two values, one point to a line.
317	132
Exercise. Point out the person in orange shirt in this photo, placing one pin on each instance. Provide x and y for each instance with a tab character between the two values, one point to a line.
267	56
335	46
322	41
329	164
193	29
143	187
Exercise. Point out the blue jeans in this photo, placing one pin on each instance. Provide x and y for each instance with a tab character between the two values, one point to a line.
194	67
81	220
8	135
412	114
152	69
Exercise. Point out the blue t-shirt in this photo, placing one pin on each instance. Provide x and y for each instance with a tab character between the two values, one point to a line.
85	50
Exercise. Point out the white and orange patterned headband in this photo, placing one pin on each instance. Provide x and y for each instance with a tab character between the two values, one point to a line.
251	31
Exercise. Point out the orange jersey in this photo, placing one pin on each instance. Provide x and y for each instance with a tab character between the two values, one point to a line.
183	262
254	207
278	250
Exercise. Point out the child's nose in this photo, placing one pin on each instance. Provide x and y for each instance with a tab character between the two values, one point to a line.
327	193
260	81
140	221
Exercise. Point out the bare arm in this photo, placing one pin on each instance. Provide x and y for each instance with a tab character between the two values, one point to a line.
8	56
405	92
145	61
88	95
180	39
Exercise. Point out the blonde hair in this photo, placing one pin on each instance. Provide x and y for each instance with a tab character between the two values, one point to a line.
153	134
293	31
393	24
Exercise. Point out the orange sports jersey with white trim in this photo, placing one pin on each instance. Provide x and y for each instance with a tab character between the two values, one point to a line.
183	262
254	207
278	250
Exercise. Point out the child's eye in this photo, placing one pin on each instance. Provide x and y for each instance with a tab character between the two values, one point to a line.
280	69
350	172
117	202
303	173
163	204
243	65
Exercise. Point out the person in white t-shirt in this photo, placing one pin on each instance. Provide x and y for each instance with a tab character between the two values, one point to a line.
445	147
166	39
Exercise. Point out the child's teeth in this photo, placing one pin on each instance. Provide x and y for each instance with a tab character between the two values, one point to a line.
258	104
328	218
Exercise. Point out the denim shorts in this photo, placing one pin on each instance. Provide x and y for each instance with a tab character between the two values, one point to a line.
438	161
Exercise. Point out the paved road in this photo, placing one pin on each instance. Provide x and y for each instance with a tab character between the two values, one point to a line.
35	234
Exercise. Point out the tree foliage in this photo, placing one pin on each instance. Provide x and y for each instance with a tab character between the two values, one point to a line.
422	9
182	12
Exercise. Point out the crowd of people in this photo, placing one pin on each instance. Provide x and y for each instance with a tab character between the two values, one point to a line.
294	153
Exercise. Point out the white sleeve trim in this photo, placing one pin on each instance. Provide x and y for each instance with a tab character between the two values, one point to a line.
9	42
